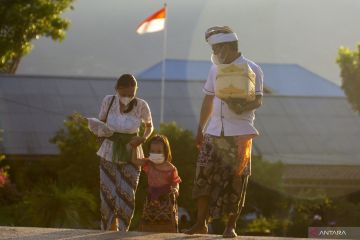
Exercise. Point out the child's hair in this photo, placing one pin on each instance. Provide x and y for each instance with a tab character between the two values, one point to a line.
162	139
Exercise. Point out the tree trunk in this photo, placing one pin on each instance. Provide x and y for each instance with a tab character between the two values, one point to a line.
11	66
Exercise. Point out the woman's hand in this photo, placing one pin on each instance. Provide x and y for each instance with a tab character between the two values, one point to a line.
136	141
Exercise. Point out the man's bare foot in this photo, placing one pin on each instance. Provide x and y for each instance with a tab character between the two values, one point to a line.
229	233
197	229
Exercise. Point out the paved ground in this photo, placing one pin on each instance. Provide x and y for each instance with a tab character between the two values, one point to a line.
26	233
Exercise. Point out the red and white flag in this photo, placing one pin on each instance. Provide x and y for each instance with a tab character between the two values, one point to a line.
153	23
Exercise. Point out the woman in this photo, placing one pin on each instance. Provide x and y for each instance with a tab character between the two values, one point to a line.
119	177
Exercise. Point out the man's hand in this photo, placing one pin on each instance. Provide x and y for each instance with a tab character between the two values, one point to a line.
241	105
199	138
236	108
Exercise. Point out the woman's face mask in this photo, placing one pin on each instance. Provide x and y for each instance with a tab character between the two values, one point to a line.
125	100
157	158
126	95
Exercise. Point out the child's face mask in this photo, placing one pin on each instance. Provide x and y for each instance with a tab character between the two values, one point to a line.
157	158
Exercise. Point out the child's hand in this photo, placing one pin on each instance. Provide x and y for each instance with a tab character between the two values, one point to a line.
145	159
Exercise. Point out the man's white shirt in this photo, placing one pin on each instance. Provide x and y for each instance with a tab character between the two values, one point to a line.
222	118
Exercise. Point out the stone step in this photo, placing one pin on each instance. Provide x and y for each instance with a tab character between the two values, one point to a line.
30	233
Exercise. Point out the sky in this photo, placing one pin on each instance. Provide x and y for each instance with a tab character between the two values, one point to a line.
102	41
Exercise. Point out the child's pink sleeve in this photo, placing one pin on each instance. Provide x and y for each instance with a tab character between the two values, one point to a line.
145	167
175	177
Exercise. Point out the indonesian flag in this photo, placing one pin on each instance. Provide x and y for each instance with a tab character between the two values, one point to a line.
153	23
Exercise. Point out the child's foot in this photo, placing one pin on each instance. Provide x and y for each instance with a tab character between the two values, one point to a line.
197	229
229	233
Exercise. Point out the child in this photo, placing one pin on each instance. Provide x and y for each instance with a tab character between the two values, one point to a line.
160	212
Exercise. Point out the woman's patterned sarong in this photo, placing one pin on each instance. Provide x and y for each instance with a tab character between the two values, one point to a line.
118	183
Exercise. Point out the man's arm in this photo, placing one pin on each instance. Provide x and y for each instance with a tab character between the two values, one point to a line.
252	105
205	113
206	109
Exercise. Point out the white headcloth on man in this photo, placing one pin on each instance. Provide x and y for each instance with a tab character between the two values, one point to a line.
222	38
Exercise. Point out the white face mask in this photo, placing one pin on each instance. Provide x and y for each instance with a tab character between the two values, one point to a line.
157	158
214	59
221	57
125	100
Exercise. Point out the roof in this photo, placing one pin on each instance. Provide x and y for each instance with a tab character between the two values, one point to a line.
308	130
294	129
281	79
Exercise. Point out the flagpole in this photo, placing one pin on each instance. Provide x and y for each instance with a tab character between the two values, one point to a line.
163	66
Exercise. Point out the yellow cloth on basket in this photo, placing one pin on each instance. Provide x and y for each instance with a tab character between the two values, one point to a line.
235	81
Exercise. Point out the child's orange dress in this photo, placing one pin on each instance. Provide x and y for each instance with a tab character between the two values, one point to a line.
160	213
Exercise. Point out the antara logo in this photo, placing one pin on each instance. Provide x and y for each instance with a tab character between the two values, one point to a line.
332	233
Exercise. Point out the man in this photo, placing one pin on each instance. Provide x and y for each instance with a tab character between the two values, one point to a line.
224	163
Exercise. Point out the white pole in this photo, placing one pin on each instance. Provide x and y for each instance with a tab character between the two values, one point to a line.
163	67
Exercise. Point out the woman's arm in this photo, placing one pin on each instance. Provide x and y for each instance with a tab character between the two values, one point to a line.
137	140
148	130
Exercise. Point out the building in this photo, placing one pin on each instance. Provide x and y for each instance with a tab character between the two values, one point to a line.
305	121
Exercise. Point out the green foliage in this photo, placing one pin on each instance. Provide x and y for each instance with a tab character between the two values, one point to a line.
265	182
26	173
349	62
267	226
23	21
8	192
2	156
50	206
4	176
346	213
79	164
61	192
267	174
303	210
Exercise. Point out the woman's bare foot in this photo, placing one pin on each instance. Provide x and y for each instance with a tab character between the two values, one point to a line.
197	229
229	233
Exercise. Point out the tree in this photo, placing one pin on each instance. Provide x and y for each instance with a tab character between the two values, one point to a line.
349	62
23	21
71	198
3	169
49	205
79	164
